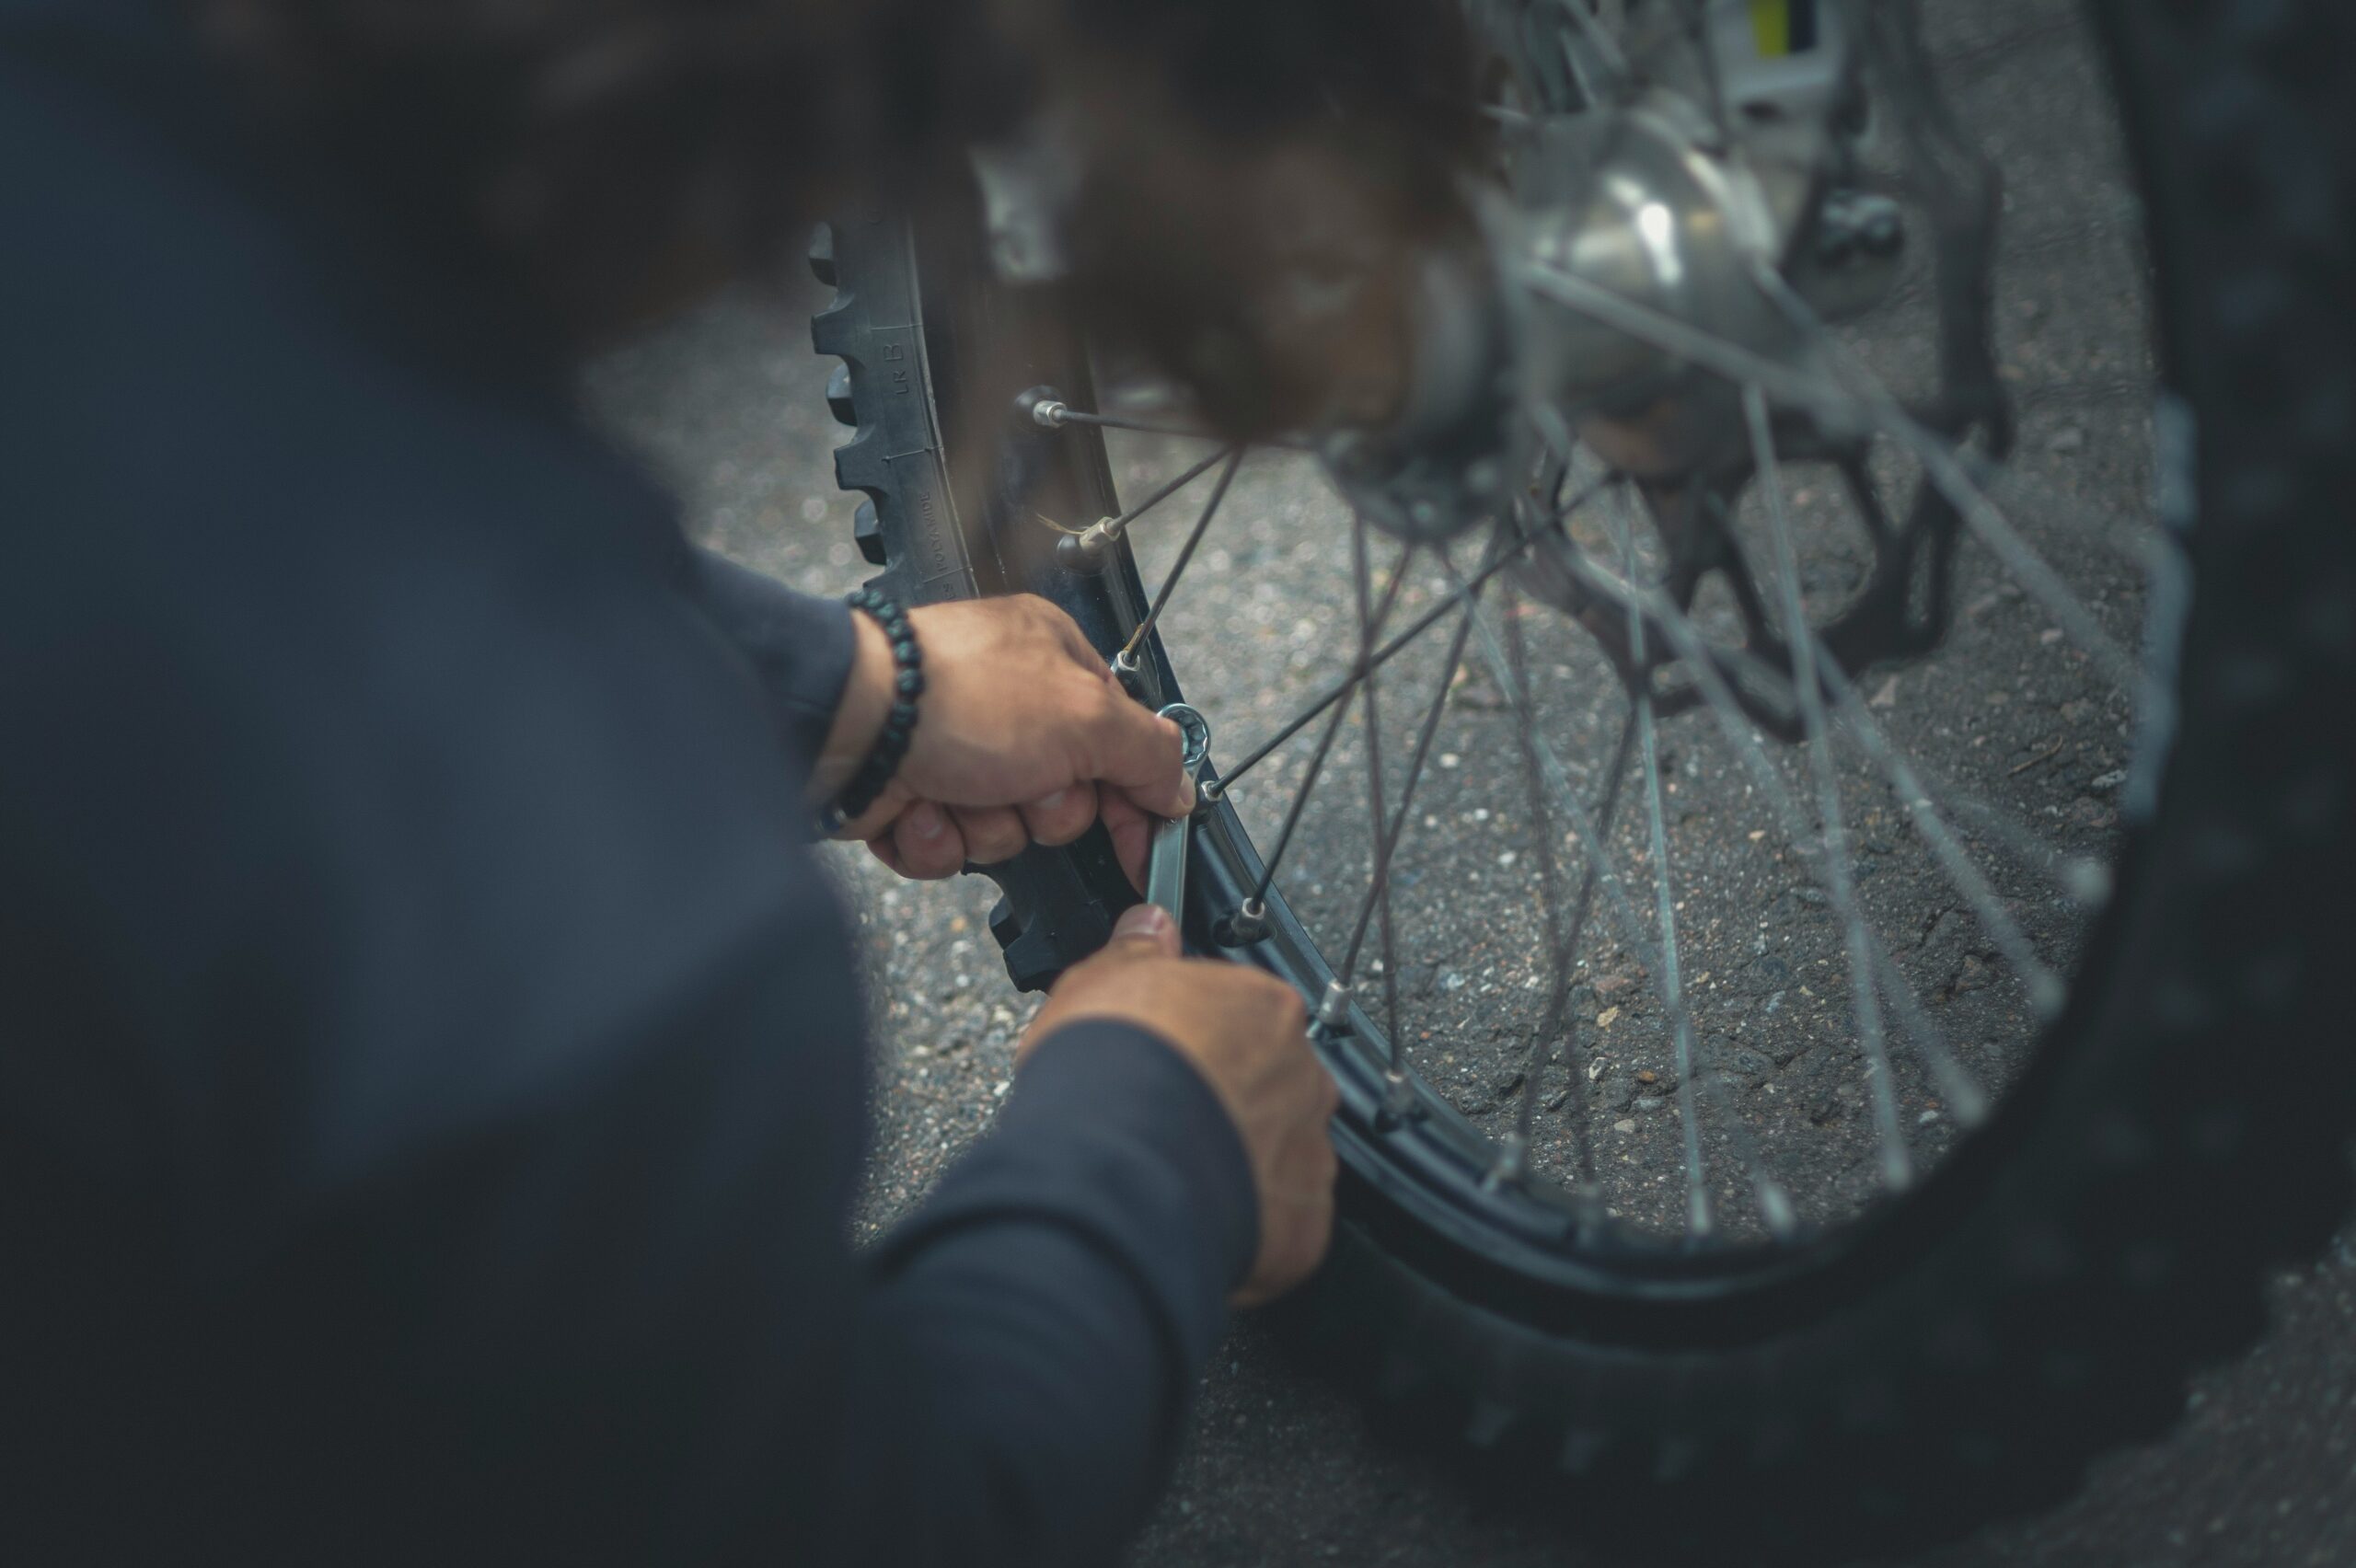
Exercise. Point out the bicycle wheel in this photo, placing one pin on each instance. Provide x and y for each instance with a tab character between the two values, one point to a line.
1846	1078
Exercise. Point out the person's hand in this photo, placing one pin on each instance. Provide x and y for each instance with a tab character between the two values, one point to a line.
1022	737
1247	1032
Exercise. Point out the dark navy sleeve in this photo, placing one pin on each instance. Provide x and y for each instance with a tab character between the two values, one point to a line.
1112	1159
800	646
432	1089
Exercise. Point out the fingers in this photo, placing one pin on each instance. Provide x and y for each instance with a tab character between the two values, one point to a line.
1302	1228
1132	834
993	835
1140	753
1296	1182
1296	1218
1061	817
926	841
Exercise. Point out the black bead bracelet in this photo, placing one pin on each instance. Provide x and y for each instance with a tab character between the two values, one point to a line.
899	725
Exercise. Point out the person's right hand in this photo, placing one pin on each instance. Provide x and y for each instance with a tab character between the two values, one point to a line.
1247	1032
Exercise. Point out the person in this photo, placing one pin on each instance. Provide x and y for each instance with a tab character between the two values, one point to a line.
430	1088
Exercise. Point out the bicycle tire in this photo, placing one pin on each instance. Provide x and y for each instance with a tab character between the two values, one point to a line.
2047	1296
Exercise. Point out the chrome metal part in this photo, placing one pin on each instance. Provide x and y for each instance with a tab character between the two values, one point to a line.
1634	203
1245	925
1088	550
1195	730
1165	881
1438	468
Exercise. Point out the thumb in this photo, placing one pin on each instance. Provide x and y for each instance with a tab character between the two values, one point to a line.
1145	930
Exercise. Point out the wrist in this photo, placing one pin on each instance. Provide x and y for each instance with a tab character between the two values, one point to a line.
859	717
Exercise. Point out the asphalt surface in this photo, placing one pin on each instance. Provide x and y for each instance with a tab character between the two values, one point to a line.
1280	1468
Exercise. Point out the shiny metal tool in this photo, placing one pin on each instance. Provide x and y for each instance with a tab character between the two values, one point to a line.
1165	881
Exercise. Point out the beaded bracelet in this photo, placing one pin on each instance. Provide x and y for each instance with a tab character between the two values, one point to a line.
899	725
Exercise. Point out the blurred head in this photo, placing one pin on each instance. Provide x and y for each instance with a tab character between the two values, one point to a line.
618	154
622	156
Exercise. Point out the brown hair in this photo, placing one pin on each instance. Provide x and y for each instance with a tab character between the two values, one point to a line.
611	147
608	147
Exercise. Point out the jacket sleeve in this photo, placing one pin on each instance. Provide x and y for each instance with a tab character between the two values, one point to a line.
1045	1314
433	1101
495	1046
800	646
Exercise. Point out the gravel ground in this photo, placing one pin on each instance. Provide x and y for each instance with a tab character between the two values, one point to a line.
1281	1469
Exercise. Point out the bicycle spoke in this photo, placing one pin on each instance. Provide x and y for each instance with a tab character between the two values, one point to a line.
1897	1164
2047	991
2085	882
1120	524
1559	1015
1696	14
1965	1097
1633	934
1948	474
1055	416
1185	554
1562	942
1613	59
1873	409
1513	1157
2083	878
1389	841
1384	655
1369	696
1774	1206
1341	711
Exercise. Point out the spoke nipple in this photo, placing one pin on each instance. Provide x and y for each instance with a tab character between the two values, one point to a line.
1242	926
2047	993
1129	673
1086	551
1042	405
1334	1011
1512	1163
2089	882
1208	793
1399	1105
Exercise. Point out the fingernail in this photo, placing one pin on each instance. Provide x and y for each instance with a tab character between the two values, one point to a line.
1142	920
1189	810
926	821
1050	802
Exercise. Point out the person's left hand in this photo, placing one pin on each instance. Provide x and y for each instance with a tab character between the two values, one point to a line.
1022	737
